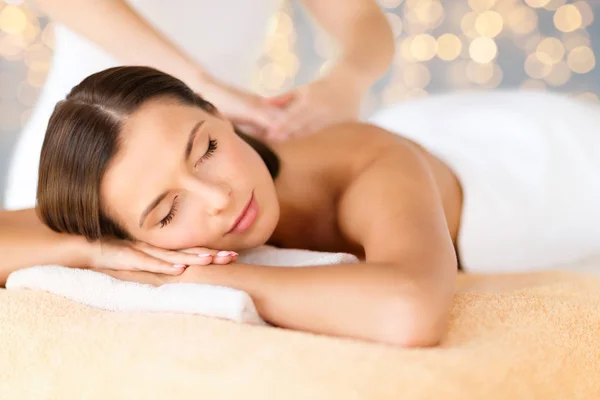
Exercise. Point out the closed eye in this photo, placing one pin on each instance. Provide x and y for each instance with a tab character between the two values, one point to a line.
212	146
167	220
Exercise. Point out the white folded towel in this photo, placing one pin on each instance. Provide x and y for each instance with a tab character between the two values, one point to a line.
103	291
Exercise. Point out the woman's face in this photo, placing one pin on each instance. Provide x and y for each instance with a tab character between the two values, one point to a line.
183	178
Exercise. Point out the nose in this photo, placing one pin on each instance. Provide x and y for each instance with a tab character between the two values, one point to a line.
215	196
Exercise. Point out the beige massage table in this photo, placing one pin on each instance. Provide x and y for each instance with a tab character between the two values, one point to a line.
534	336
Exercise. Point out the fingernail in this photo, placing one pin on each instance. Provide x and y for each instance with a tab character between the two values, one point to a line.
225	253
204	255
179	265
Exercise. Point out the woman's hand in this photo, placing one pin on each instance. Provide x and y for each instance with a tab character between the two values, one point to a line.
329	100
252	113
139	256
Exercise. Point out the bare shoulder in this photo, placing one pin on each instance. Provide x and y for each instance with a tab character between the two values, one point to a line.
357	136
349	146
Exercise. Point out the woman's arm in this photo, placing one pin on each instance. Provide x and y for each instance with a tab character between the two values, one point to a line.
25	242
401	295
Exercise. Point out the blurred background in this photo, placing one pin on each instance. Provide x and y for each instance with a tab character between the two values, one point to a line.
441	45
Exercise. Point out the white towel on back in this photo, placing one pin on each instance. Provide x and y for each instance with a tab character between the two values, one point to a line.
102	291
529	167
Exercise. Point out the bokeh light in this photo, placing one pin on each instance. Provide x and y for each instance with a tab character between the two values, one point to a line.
483	50
489	23
403	52
559	74
11	46
481	5
535	68
395	22
428	12
423	47
522	20
588	96
449	46
467	24
280	63
568	18
550	50
480	73
496	80
12	20
581	60
586	11
416	76
537	3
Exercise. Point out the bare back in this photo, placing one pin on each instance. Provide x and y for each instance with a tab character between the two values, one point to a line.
316	170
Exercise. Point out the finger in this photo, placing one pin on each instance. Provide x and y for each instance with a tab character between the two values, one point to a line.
294	124
247	125
225	257
249	129
282	100
311	127
215	253
199	250
255	120
189	256
138	260
178	257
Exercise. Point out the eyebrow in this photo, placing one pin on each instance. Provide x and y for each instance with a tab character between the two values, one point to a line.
190	142
188	152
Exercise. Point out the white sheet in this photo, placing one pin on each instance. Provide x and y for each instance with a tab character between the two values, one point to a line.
529	166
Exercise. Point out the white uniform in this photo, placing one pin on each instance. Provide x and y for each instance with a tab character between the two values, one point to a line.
529	164
224	36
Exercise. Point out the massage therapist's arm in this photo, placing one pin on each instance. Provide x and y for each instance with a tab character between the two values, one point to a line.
363	33
366	49
401	295
115	27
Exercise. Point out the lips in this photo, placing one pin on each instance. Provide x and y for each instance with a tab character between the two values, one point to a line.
246	218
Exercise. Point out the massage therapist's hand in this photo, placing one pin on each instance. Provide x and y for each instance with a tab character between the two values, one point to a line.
139	256
332	99
250	112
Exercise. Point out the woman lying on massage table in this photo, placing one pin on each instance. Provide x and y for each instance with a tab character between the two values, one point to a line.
144	180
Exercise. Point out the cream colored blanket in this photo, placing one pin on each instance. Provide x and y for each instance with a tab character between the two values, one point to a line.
533	336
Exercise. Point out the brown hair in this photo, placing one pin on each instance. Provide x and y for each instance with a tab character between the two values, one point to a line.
83	136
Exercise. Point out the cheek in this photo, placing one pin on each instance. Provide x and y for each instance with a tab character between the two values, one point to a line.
242	161
183	235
